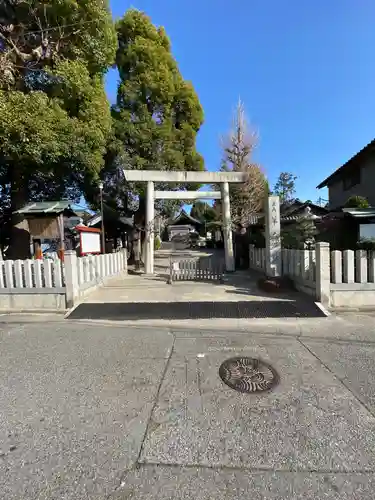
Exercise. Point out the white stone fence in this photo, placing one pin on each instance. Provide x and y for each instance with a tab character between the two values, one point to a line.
352	279
257	258
343	279
83	274
299	265
31	285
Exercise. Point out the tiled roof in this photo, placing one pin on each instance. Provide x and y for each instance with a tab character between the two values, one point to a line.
181	215
45	207
350	163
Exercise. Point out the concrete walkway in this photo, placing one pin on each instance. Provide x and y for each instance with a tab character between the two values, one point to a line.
108	411
143	288
240	287
237	287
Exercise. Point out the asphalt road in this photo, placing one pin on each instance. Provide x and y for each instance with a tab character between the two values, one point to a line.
108	411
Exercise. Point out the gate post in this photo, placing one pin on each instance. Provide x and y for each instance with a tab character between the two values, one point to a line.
149	240
71	278
228	242
323	273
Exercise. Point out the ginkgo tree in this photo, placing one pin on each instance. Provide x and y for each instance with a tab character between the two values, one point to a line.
247	199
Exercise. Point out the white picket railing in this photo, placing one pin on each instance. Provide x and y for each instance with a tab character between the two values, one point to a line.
351	266
34	274
199	269
54	285
47	273
300	264
337	279
93	268
257	258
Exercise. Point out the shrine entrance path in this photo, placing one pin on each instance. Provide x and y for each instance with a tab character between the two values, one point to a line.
140	297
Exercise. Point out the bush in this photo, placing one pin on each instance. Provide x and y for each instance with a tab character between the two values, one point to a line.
357	202
157	242
366	244
300	235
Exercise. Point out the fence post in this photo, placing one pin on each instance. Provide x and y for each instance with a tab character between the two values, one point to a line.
361	266
371	267
251	256
305	265
348	266
323	273
125	260
71	277
336	266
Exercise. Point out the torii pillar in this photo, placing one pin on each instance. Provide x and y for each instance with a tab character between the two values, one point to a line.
227	226
149	240
186	177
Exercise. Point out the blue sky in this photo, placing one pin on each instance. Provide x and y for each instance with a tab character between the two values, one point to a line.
304	70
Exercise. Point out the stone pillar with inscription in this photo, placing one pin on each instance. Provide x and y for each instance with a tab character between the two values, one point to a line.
272	236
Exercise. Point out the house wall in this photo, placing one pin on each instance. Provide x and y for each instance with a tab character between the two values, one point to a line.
179	229
44	227
338	195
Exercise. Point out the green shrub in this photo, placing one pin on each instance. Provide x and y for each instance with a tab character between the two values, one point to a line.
157	242
366	244
357	202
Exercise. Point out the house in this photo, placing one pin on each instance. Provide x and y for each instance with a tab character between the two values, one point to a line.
355	178
43	227
117	228
344	228
182	225
292	212
83	214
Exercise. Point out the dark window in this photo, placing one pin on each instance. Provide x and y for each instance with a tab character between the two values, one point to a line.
352	179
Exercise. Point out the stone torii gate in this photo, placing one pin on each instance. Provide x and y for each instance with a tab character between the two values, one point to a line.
184	177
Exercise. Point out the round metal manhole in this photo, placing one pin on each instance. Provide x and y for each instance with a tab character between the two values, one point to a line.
248	375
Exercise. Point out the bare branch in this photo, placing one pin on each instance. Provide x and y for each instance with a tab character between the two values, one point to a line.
21	55
246	199
238	145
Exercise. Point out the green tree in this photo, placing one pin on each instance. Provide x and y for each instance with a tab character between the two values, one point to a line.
157	115
247	198
54	114
357	202
285	187
203	212
299	235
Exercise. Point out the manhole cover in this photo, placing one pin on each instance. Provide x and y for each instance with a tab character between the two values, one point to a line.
248	374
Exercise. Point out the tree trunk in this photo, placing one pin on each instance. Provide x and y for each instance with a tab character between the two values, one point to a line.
140	222
19	247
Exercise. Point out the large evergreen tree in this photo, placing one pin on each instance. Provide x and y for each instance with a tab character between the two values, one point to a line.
54	114
157	114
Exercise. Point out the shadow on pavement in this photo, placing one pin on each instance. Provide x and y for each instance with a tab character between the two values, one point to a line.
197	310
